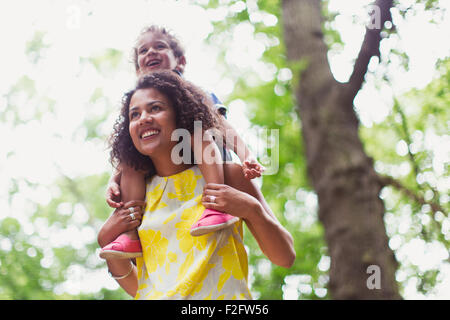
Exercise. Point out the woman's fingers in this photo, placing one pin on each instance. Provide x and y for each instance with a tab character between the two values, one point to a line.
134	203
213	186
207	198
210	205
214	199
134	224
132	216
211	192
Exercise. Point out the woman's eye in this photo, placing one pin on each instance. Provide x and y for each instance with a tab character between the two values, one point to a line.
155	108
143	50
134	115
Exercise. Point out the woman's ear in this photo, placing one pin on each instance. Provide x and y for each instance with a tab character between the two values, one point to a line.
181	63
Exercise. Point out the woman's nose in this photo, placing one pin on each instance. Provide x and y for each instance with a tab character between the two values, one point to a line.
145	118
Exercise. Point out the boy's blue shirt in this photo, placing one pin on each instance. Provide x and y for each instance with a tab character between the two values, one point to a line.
217	103
223	111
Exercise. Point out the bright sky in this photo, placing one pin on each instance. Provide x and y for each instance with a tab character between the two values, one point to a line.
77	29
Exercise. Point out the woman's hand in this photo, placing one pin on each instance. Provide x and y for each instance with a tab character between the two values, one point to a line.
121	221
224	198
122	216
241	197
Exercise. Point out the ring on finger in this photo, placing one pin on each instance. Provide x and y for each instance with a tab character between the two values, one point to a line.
133	217
131	209
212	199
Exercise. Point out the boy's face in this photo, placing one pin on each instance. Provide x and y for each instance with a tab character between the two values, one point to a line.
154	54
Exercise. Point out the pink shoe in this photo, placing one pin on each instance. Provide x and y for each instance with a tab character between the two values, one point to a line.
122	248
210	221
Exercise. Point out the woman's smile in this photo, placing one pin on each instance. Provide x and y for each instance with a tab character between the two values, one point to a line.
149	133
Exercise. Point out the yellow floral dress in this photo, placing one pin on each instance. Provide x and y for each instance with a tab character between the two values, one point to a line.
176	265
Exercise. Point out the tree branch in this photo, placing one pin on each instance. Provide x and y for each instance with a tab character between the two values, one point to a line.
370	47
404	134
390	181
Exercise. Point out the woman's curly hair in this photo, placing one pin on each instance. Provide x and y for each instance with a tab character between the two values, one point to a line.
189	102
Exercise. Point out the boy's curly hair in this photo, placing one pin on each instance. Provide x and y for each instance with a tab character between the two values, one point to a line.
174	43
189	102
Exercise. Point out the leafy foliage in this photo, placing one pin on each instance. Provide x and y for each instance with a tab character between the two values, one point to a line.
406	146
271	105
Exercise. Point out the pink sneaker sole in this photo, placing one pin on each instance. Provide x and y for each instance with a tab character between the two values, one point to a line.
211	221
122	248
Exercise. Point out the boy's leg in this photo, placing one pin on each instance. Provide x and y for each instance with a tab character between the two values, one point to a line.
132	186
209	159
210	163
127	245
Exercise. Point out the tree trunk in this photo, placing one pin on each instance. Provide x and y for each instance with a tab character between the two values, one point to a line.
340	171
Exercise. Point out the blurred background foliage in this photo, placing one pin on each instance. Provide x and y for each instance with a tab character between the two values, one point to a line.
39	261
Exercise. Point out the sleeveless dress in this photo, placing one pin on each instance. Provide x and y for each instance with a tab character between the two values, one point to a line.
176	265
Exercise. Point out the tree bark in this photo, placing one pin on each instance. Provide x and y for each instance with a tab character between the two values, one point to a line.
341	173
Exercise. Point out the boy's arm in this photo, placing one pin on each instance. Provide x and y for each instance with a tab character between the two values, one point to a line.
235	142
252	168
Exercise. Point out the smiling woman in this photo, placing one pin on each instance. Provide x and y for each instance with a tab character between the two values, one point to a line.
174	264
